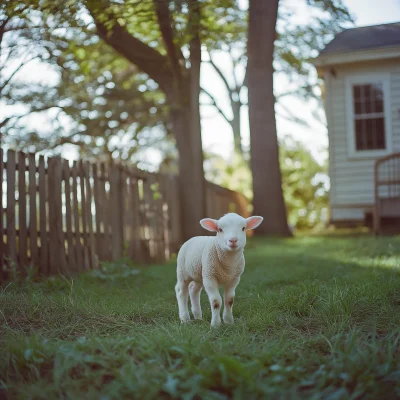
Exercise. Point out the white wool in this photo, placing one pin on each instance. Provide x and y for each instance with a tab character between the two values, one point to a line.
213	262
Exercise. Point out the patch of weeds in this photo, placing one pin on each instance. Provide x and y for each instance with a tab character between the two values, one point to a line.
115	270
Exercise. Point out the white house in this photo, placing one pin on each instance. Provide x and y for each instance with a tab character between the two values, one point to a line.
360	68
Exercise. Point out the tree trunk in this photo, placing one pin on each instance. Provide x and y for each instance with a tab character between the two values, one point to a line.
191	178
267	181
235	124
186	120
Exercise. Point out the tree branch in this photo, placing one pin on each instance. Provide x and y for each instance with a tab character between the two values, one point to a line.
17	117
221	75
147	59
3	25
215	104
165	23
234	64
293	118
22	28
15	72
285	94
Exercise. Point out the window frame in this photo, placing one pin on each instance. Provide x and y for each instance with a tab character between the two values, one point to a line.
370	79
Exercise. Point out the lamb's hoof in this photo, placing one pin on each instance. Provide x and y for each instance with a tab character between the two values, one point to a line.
185	319
215	324
228	321
197	316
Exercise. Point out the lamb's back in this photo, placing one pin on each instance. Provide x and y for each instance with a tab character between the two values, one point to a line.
190	257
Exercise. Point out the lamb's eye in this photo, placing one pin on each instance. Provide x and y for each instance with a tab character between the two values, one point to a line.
219	230
243	229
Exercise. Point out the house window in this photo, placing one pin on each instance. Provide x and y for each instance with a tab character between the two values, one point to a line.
369	118
368	112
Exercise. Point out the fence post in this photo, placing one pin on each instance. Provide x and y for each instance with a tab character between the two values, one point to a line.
2	249
71	261
175	213
22	231
91	241
136	233
115	195
33	210
77	231
57	245
43	190
11	232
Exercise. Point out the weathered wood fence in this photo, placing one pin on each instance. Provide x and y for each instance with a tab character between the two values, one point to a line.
63	217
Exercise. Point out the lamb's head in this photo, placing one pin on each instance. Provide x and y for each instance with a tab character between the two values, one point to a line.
231	230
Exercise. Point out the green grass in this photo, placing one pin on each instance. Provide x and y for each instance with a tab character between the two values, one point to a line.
316	318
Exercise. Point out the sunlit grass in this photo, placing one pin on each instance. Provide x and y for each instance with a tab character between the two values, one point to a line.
316	317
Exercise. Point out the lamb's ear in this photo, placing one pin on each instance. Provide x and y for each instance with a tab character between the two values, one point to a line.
209	224
253	222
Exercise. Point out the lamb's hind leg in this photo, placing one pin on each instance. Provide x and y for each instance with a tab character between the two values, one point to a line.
181	289
195	291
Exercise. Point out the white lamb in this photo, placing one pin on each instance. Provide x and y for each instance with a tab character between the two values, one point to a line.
213	262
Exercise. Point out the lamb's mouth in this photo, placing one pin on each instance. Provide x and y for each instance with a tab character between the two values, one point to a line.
233	246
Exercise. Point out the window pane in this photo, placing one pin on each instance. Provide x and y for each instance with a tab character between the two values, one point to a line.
370	134
356	92
359	134
380	133
357	107
368	98
377	97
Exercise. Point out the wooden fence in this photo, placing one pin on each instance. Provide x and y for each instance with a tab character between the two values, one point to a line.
63	217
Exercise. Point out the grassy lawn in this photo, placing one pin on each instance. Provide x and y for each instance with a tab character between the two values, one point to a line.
316	318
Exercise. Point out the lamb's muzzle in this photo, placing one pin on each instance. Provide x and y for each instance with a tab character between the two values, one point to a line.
213	262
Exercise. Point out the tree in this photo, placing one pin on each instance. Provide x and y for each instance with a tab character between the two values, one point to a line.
177	77
267	182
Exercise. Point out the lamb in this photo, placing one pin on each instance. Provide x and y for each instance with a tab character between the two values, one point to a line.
212	262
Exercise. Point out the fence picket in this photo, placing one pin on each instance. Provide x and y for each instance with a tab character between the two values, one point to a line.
11	231
2	247
136	227
92	246
115	188
77	231
71	262
44	261
98	212
85	241
33	210
22	231
106	212
57	246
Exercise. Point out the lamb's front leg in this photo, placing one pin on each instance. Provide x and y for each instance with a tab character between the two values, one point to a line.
211	287
229	297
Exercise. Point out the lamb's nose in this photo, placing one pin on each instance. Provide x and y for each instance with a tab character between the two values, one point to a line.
233	240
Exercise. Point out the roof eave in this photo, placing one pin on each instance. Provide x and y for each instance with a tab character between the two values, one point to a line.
330	59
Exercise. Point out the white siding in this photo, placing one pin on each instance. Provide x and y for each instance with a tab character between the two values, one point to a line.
352	180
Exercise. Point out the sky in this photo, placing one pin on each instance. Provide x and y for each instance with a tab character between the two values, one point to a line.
216	133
